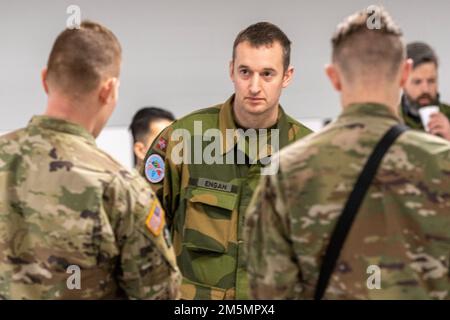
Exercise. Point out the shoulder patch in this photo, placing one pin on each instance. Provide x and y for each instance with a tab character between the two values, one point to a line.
155	219
162	144
154	168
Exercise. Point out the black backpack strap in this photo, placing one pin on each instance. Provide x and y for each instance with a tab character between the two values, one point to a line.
351	208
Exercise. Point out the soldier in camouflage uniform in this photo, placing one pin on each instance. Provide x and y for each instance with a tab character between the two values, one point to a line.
68	209
421	90
205	202
403	225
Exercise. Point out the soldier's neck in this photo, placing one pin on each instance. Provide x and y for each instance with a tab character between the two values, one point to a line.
60	107
389	97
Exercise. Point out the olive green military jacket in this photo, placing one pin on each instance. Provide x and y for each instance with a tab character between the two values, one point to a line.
205	203
74	224
416	123
399	244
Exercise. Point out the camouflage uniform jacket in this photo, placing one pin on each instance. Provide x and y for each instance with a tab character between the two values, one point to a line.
63	203
400	236
205	203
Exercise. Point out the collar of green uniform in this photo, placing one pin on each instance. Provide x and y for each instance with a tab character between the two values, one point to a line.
370	109
61	125
226	121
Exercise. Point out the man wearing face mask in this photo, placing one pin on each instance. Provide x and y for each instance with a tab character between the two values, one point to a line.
421	90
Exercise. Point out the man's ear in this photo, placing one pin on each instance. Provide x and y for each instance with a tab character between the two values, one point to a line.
109	91
139	150
406	69
288	76
44	79
231	70
334	76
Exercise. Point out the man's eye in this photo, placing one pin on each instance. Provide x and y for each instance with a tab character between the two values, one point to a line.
267	74
244	72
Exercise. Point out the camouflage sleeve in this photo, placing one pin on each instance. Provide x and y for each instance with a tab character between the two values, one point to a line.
162	173
147	266
445	109
272	268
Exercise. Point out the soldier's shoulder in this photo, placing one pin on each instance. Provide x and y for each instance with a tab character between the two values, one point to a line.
294	122
306	149
427	145
197	115
445	108
10	138
208	117
126	177
298	128
96	166
12	135
317	145
21	142
445	105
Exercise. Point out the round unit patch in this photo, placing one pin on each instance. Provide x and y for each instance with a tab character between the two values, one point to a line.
154	168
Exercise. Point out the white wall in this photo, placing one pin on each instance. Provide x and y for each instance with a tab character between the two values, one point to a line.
176	53
118	143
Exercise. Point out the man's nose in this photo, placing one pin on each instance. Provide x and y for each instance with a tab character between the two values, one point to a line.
425	87
255	86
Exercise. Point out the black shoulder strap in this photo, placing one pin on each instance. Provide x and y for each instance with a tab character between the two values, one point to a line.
351	208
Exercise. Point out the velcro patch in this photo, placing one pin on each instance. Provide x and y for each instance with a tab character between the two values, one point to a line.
162	144
155	220
213	184
154	168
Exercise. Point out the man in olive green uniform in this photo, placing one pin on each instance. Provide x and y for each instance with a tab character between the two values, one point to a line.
74	224
399	244
206	186
421	90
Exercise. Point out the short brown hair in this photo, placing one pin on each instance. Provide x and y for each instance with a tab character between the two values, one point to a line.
420	53
265	34
81	58
360	50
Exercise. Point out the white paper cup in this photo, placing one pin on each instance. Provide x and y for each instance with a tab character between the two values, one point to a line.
425	113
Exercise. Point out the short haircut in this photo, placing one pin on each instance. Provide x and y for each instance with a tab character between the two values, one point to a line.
421	52
81	58
140	127
265	34
361	51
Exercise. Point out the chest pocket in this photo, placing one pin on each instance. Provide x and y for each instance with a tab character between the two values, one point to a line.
210	219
